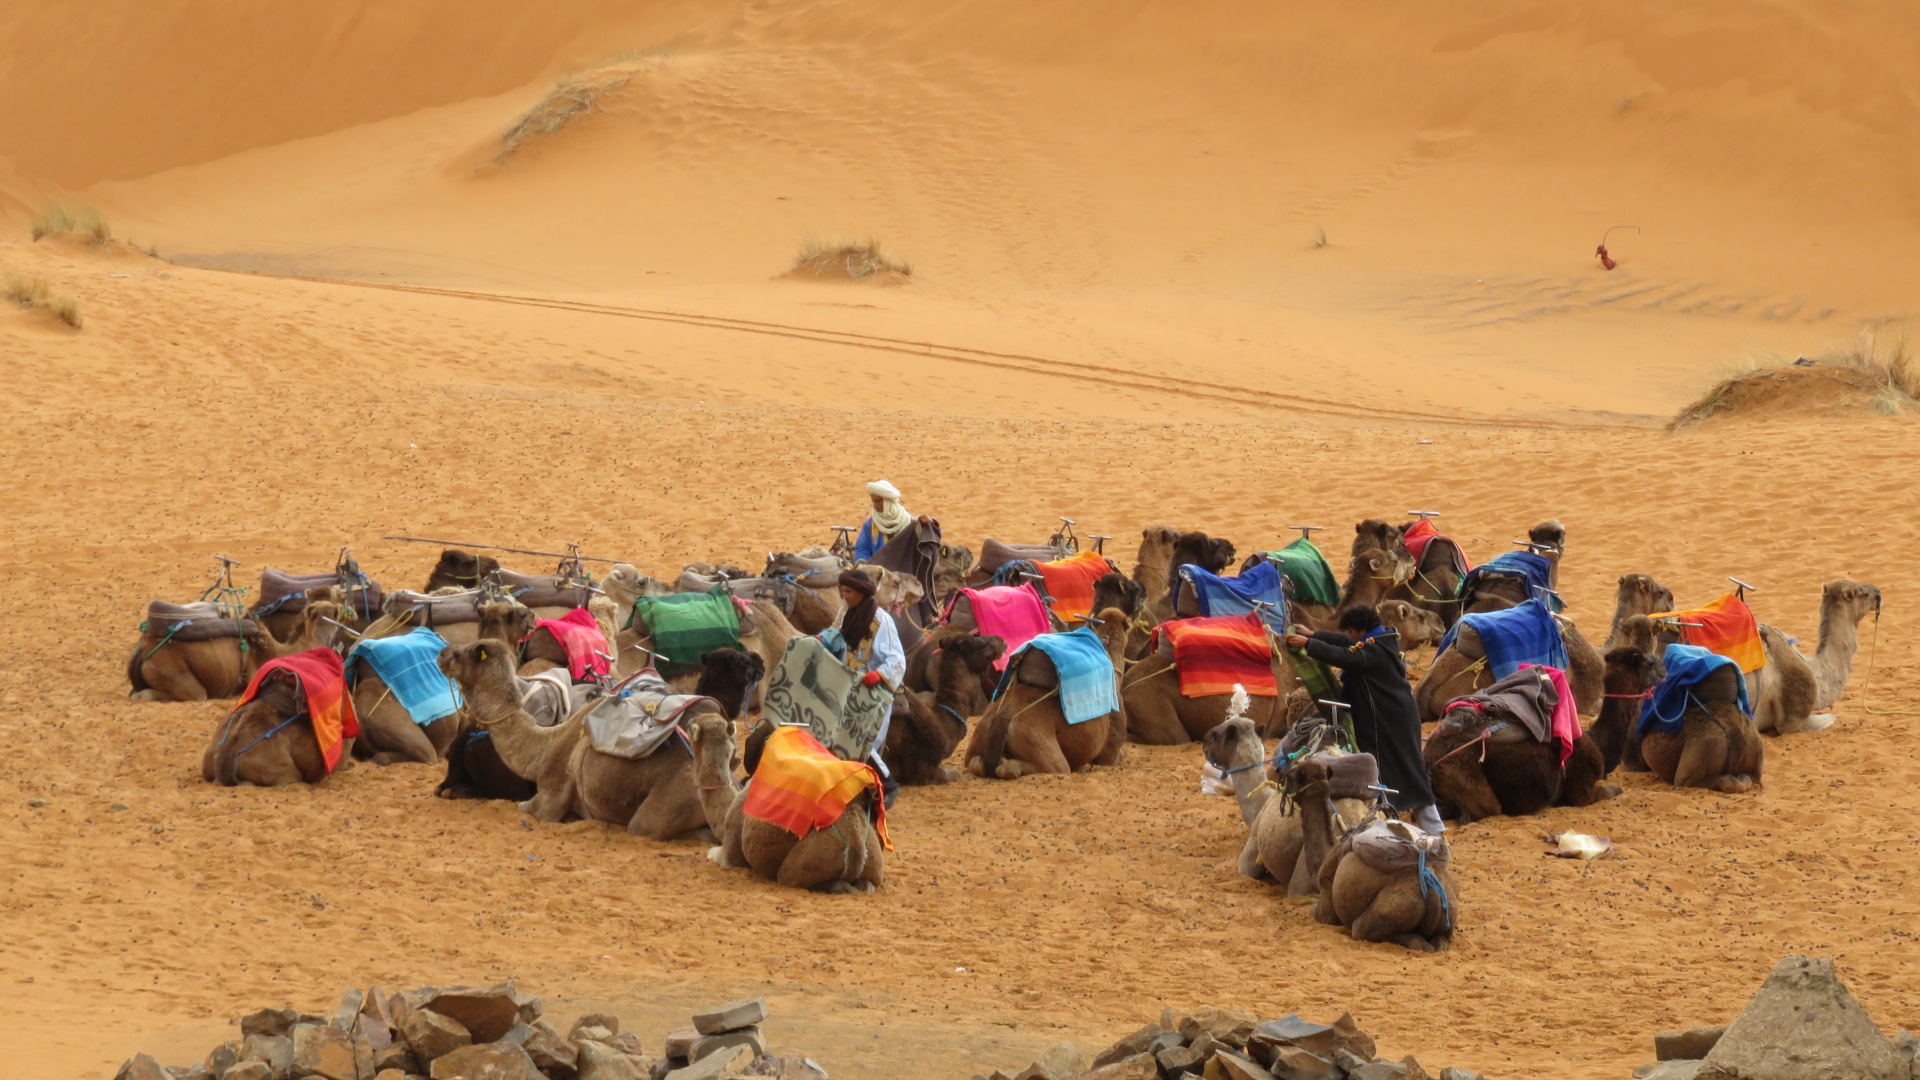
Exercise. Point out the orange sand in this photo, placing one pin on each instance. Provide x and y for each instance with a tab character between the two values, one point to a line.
1117	312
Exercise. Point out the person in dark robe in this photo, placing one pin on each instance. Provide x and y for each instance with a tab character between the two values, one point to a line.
1386	722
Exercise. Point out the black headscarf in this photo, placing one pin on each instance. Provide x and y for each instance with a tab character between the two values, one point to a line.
857	623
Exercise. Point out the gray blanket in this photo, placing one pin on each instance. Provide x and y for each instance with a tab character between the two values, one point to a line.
1526	697
810	688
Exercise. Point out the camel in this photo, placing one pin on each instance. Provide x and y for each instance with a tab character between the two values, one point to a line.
1487	768
1024	732
1416	625
1374	534
1631	674
764	631
1162	549
1794	691
1372	576
1158	714
655	796
1637	594
460	570
926	726
162	669
1716	746
1462	669
1189	548
388	733
474	768
951	574
1374	905
541	651
829	860
268	741
1274	837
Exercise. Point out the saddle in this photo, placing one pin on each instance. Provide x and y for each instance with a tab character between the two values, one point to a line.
542	590
1036	669
994	555
445	609
1349	776
639	718
1388	846
200	621
287	593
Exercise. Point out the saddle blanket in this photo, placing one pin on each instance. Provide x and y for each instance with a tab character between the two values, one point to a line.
584	641
801	786
1215	655
639	716
320	675
1727	627
686	626
1519	635
409	665
1088	689
1013	613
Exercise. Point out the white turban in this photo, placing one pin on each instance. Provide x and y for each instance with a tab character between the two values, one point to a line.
891	517
882	489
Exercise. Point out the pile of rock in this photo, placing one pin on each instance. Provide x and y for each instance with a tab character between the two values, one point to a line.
1227	1044
1802	1024
478	1033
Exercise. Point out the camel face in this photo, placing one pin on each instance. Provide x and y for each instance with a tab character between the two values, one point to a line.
1374	534
1233	744
1851	598
727	676
1119	592
1416	626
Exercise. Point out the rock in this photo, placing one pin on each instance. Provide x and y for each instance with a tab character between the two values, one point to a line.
1299	1063
1414	1069
249	1070
486	1061
1234	1067
1321	1040
1166	1041
142	1067
529	1005
716	1065
1451	1073
1206	1047
1676	1069
713	1044
1175	1060
390	1074
552	1054
374	1004
396	1057
1063	1062
1803	1025
347	1013
485	1011
598	1061
222	1057
1691	1044
1379	1070
323	1051
268	1022
275	1050
430	1034
1138	1067
611	1024
627	1044
1349	1060
363	1051
793	1068
1230	1027
680	1043
1131	1046
731	1016
1906	1044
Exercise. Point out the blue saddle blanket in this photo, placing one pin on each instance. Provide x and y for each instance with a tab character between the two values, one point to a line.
408	665
1534	569
1687	666
1088	687
1519	635
1263	584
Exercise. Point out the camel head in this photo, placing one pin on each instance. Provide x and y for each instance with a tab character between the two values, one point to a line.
976	650
728	676
1199	549
1233	744
712	738
1639	632
1156	542
799	564
1374	534
1376	569
1640	594
1112	630
1303	777
958	556
1415	625
321	624
1847	600
1631	670
1549	534
1119	591
460	569
505	620
625	584
485	663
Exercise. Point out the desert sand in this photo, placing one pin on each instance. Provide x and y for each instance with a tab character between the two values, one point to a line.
1211	264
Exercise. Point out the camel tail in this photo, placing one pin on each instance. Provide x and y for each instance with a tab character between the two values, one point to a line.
227	769
135	676
993	739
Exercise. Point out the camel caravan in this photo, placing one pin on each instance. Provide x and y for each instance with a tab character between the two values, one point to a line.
776	715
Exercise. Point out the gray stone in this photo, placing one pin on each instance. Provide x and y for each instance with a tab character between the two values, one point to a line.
1348	1060
1690	1045
1062	1062
1321	1040
529	1006
396	1057
1906	1044
1166	1040
732	1016
374	1004
1206	1047
1452	1073
324	1051
608	1022
275	1050
1234	1067
1131	1046
348	1011
222	1057
552	1054
598	1061
249	1070
486	1061
377	1032
1676	1069
268	1022
680	1043
748	1037
591	1033
1137	1067
142	1067
1803	1025
799	1068
1229	1027
430	1034
1379	1070
485	1011
628	1044
715	1066
1414	1069
1299	1063
390	1074
1175	1060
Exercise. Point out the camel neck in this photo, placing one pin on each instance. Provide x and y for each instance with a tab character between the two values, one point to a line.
1251	791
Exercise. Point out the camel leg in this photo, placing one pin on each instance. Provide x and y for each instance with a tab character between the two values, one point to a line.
1033	748
553	802
1703	760
1116	741
171	683
401	741
672	809
824	859
1250	865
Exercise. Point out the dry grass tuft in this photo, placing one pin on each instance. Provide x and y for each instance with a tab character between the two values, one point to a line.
853	262
1877	372
63	219
572	97
33	292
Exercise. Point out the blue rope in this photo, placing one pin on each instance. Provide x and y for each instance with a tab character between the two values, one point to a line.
1429	879
271	732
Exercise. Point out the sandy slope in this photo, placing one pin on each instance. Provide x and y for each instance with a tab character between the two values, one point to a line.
1119	313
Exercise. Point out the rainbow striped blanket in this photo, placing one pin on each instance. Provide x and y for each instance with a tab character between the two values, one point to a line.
801	786
1725	627
1215	655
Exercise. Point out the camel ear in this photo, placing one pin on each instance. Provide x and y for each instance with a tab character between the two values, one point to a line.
480	653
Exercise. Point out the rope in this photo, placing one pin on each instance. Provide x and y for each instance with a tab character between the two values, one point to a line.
171	630
1873	647
953	712
1429	879
1485	739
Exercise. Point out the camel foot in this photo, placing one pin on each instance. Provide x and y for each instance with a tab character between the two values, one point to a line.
976	768
1606	791
1414	942
1733	785
145	695
836	887
1817	722
717	855
944	775
1441	942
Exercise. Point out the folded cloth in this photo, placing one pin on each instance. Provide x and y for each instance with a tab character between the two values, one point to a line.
914	552
686	626
1687	666
409	665
1535	570
1088	687
1519	635
322	679
802	786
580	635
638	716
1218	595
811	688
1216	654
1727	627
1538	699
1011	612
1070	582
1421	535
1306	568
1317	677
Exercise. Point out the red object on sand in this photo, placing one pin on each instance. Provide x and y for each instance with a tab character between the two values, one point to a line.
1606	260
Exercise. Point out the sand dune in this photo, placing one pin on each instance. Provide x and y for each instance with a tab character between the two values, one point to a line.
1121	310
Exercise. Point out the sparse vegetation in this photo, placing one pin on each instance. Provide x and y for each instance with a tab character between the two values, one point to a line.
571	97
64	219
1877	370
853	261
1319	237
32	291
